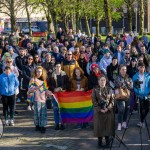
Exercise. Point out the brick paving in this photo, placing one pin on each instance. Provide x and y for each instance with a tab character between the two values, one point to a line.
24	137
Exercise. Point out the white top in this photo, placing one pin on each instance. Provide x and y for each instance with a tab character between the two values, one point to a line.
141	78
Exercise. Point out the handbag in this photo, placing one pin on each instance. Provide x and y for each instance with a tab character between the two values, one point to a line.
122	94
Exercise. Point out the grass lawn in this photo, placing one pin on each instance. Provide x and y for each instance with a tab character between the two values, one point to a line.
36	39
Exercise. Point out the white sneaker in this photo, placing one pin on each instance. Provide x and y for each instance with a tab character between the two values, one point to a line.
124	125
6	123
32	107
18	100
11	123
29	108
119	127
141	124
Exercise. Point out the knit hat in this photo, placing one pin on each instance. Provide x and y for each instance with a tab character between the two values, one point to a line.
93	66
10	48
106	51
48	54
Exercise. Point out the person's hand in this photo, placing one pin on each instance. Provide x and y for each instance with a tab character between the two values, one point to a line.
82	89
77	89
106	109
102	110
49	93
56	89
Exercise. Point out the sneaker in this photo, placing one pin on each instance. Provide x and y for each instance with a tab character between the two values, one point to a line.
29	108
11	123
6	123
124	125
119	127
141	124
32	107
18	100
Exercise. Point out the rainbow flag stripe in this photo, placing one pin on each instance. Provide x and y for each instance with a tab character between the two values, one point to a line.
75	107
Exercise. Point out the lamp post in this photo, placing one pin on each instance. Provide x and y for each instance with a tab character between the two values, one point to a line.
135	10
124	11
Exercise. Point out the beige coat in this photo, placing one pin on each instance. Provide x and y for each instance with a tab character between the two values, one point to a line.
103	122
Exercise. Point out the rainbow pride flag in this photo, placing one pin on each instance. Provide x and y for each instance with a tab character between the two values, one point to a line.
75	107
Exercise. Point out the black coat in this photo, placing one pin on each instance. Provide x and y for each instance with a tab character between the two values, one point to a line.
111	71
131	71
27	72
92	81
83	63
20	62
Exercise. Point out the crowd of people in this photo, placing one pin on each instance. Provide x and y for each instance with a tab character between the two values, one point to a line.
75	62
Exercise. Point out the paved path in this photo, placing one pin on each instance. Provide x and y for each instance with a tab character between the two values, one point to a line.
24	137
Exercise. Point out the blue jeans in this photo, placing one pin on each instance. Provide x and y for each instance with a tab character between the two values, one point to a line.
57	117
40	114
123	109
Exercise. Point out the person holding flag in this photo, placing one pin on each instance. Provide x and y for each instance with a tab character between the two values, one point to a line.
38	93
58	82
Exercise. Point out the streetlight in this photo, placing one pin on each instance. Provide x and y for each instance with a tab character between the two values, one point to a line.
135	10
124	11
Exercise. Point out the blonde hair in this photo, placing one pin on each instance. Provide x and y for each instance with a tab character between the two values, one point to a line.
8	59
44	72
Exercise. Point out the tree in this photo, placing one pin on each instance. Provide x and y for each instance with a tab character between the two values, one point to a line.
28	16
98	13
10	8
129	4
141	12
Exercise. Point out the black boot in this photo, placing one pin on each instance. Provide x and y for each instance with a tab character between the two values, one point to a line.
99	142
57	127
43	129
37	128
108	142
62	127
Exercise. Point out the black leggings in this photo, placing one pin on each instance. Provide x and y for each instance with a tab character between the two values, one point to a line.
8	101
144	109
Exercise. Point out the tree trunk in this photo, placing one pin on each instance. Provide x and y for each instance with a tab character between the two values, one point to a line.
97	26
48	17
129	9
87	26
65	23
54	20
80	24
71	22
108	17
28	17
13	18
141	4
77	16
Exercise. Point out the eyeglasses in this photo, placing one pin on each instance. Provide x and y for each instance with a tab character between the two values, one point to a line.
69	54
30	58
127	53
8	61
36	57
